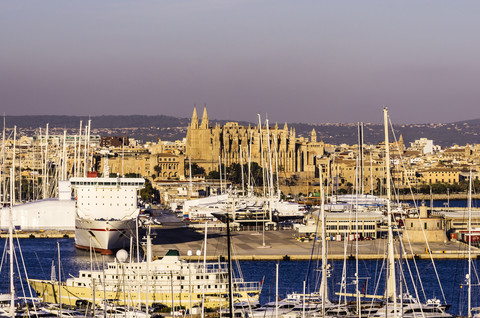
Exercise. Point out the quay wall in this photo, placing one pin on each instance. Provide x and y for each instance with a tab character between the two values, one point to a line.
40	234
443	196
433	255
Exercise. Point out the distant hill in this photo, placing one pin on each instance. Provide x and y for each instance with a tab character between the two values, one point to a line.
105	121
150	128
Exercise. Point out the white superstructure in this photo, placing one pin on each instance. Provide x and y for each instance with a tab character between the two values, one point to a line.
106	212
46	214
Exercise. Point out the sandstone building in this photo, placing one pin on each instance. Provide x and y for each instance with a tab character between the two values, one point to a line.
206	145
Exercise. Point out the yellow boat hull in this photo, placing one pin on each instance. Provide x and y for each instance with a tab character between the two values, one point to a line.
69	295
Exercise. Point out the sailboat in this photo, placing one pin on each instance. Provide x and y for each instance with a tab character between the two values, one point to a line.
10	298
9	302
475	311
402	305
317	303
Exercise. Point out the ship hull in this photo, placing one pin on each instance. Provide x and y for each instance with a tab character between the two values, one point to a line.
49	292
104	236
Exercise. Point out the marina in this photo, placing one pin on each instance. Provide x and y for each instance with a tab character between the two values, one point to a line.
282	244
212	159
356	255
39	253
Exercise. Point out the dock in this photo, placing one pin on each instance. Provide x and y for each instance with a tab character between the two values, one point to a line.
282	245
265	245
40	234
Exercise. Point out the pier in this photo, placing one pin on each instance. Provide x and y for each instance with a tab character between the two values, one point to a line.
263	245
281	245
40	234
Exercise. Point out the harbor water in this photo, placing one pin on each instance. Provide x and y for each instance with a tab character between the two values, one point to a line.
38	255
448	203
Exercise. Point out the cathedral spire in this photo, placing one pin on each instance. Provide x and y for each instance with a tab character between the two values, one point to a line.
205	121
194	122
285	127
313	135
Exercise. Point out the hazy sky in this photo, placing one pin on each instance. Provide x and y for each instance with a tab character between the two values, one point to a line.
297	61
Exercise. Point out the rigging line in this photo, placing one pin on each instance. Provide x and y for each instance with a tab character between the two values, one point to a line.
377	286
343	285
425	236
3	255
18	271
25	270
416	266
401	161
411	275
312	250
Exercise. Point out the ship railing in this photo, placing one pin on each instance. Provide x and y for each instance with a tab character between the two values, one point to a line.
247	286
209	269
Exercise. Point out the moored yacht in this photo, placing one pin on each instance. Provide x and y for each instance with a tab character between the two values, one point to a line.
170	281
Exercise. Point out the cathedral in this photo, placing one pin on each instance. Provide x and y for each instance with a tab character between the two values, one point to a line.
274	147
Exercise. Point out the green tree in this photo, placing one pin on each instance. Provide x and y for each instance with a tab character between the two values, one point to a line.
157	169
148	193
213	175
196	170
132	175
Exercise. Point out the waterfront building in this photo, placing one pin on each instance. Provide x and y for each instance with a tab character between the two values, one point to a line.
424	228
440	175
342	226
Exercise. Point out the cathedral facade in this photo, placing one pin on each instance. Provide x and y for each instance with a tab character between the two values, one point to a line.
274	147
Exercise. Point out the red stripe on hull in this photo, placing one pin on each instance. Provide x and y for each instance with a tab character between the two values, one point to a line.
96	249
102	230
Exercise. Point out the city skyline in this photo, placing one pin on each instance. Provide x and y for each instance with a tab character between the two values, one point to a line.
311	61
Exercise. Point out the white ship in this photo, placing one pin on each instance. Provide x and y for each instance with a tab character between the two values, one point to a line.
106	212
170	281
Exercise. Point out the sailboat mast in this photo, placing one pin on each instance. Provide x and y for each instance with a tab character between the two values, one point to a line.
64	156
77	167
469	279
3	187
276	165
10	242
360	155
241	168
14	151
190	188
59	282
85	137
220	171
261	151
391	288
45	183
323	285
87	151
270	169
358	186
249	165
229	269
